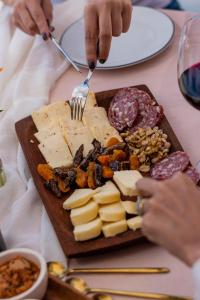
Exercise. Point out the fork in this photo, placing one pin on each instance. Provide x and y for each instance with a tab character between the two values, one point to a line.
79	98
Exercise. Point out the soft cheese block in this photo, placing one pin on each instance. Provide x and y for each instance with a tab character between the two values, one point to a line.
78	198
91	101
88	231
135	223
112	229
130	207
109	194
56	151
112	212
41	117
126	181
84	214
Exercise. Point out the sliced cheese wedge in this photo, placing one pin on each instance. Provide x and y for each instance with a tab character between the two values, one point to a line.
112	212
112	229
41	117
75	138
95	116
56	151
84	214
126	181
135	223
88	231
69	124
52	129
91	101
79	197
104	133
109	194
130	207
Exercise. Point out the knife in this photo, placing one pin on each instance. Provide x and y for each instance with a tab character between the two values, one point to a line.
61	50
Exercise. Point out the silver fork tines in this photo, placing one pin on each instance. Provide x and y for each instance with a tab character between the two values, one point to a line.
79	97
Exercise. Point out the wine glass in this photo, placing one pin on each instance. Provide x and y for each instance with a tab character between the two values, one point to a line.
189	61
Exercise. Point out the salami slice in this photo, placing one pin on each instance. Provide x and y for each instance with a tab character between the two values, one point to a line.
123	109
193	174
177	161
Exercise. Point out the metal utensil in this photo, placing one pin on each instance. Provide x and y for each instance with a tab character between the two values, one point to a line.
79	97
57	269
80	285
56	43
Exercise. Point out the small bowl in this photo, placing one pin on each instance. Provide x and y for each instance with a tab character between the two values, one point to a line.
38	289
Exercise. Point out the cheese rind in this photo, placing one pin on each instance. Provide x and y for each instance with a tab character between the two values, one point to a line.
126	181
84	214
88	231
130	207
112	212
56	151
135	223
112	229
78	198
109	194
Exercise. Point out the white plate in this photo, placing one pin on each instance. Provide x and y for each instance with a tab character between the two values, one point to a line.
150	33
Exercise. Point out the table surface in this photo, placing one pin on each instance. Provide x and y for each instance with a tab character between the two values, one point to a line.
160	75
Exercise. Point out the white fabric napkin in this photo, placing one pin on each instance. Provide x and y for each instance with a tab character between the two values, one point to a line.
31	67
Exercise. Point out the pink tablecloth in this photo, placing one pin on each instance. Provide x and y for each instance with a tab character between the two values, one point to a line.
160	76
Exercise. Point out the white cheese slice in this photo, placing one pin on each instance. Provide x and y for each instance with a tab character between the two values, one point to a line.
84	214
130	207
48	113
52	129
109	194
95	116
68	124
75	138
135	223
104	133
88	231
112	212
112	229
126	181
56	151
91	101
79	197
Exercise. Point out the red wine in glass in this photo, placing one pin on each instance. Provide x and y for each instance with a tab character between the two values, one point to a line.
189	83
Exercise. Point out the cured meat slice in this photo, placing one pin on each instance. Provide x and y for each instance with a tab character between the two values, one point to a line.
177	161
150	116
193	174
123	110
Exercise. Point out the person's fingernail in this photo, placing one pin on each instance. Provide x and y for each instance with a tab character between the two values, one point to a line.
92	65
102	61
52	28
44	36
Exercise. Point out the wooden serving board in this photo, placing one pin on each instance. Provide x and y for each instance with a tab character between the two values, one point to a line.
59	217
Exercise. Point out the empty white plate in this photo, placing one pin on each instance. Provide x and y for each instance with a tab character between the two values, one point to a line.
150	33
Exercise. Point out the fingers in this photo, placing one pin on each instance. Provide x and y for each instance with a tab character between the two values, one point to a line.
48	11
39	17
105	35
116	20
126	17
91	35
147	187
23	19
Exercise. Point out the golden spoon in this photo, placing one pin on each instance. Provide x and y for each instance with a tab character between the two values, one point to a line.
80	285
57	269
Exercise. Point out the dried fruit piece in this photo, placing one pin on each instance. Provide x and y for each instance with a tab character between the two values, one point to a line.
45	171
81	178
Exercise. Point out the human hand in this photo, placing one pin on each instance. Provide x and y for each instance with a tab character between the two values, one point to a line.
172	215
33	16
104	19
